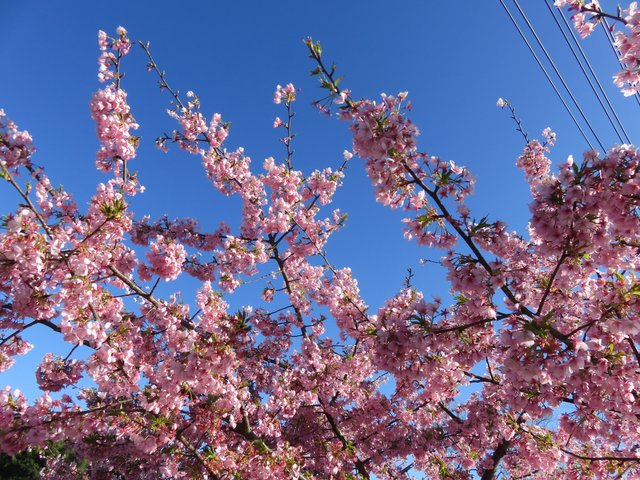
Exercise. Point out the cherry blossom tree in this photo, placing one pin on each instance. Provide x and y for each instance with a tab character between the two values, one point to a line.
545	325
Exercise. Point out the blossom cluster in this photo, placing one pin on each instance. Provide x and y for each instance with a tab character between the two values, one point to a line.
166	258
15	145
53	374
586	18
109	108
286	93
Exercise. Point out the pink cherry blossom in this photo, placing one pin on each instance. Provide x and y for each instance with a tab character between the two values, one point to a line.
166	258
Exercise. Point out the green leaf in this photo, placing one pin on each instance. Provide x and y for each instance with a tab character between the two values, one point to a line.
371	330
537	330
209	453
460	299
575	169
4	173
260	446
424	220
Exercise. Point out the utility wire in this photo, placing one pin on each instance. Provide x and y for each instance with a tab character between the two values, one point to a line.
604	93
546	74
554	13
575	102
616	52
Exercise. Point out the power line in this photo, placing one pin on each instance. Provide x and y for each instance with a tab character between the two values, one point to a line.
586	60
554	14
546	74
606	97
575	102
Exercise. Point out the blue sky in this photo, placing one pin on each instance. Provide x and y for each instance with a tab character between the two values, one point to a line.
454	58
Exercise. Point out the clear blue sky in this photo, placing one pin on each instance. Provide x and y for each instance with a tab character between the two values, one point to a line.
454	58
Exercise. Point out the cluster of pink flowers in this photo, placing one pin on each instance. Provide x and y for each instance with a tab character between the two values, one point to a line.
533	161
323	184
286	94
53	374
111	112
109	108
112	49
629	46
585	20
15	145
166	258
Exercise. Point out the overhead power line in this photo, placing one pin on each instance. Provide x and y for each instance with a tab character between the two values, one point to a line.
546	74
553	65
554	13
